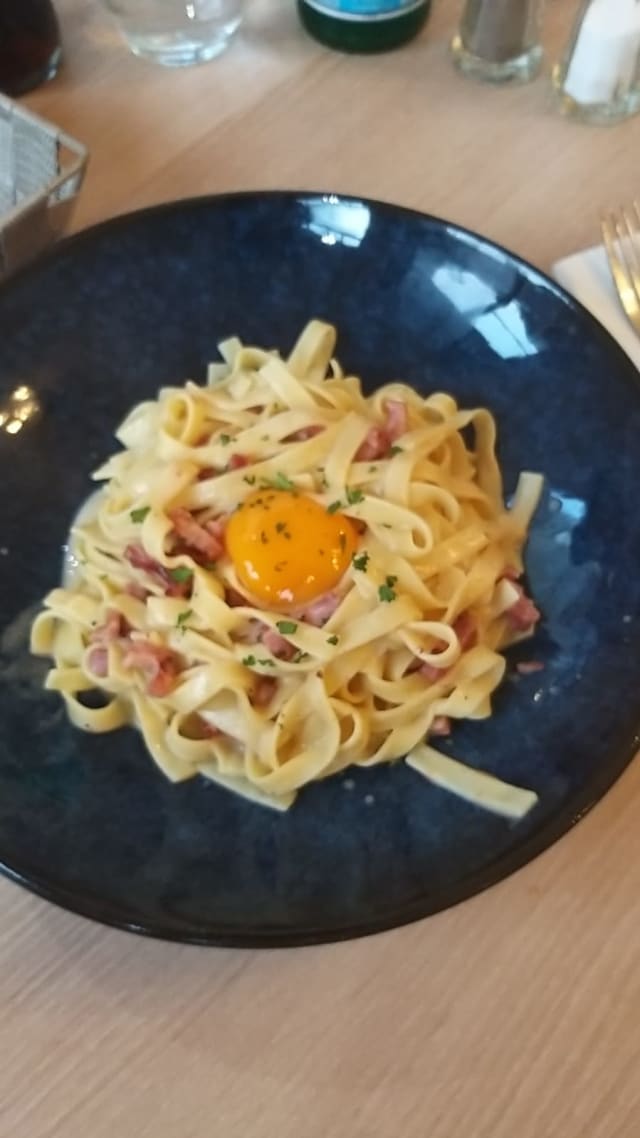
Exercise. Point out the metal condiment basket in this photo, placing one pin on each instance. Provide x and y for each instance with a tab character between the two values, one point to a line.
41	172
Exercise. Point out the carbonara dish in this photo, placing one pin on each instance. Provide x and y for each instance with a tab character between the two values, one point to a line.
281	577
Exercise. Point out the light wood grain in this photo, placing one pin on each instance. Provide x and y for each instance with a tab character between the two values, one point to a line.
514	1015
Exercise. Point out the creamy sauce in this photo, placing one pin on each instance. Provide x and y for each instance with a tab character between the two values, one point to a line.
87	513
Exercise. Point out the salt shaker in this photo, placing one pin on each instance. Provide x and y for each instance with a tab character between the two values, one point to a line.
499	40
598	78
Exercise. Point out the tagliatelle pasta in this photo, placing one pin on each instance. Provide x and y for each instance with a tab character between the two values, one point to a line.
282	577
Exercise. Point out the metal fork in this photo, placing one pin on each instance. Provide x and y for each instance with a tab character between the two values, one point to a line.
621	234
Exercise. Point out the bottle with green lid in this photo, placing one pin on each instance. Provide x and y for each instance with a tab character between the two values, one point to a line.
363	25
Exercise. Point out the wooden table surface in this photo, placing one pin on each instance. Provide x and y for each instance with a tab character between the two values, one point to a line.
514	1015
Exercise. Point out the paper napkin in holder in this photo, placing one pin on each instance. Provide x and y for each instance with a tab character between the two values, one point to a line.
41	171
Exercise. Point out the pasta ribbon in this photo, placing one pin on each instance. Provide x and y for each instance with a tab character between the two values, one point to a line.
281	576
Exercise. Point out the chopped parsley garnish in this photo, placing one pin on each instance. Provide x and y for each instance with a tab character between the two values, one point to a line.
248	661
334	507
298	657
183	617
332	639
354	496
396	449
286	626
138	516
387	592
279	482
267	663
250	479
181	574
360	561
224	439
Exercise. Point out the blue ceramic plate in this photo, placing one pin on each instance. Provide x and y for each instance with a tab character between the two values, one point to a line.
114	313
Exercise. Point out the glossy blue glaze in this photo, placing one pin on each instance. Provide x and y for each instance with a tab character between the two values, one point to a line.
111	315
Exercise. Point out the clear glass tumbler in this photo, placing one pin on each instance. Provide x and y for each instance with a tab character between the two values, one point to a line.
177	33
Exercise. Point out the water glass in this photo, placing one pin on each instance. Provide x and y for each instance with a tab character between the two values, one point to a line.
175	32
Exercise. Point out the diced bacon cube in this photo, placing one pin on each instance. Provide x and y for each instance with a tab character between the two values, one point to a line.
237	461
276	644
397	418
319	611
114	627
200	538
523	614
98	661
159	665
441	726
465	629
263	691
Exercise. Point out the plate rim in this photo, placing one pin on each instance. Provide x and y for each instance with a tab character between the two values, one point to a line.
206	200
558	826
560	823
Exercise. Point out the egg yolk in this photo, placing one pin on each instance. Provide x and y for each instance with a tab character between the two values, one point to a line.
286	549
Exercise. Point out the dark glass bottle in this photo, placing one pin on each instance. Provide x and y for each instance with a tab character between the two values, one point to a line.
363	25
29	44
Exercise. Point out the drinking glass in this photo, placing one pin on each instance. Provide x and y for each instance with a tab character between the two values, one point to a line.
175	32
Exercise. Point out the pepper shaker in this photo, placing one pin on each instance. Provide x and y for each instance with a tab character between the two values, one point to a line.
499	40
598	78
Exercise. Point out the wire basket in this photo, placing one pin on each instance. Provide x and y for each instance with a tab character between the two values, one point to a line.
41	172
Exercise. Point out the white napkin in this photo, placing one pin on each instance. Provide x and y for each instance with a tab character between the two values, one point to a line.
588	277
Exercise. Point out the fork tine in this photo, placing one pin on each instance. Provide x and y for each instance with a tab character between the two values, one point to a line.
630	240
633	218
609	227
619	234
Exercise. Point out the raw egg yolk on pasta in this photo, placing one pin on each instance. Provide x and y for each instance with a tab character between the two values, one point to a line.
286	549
